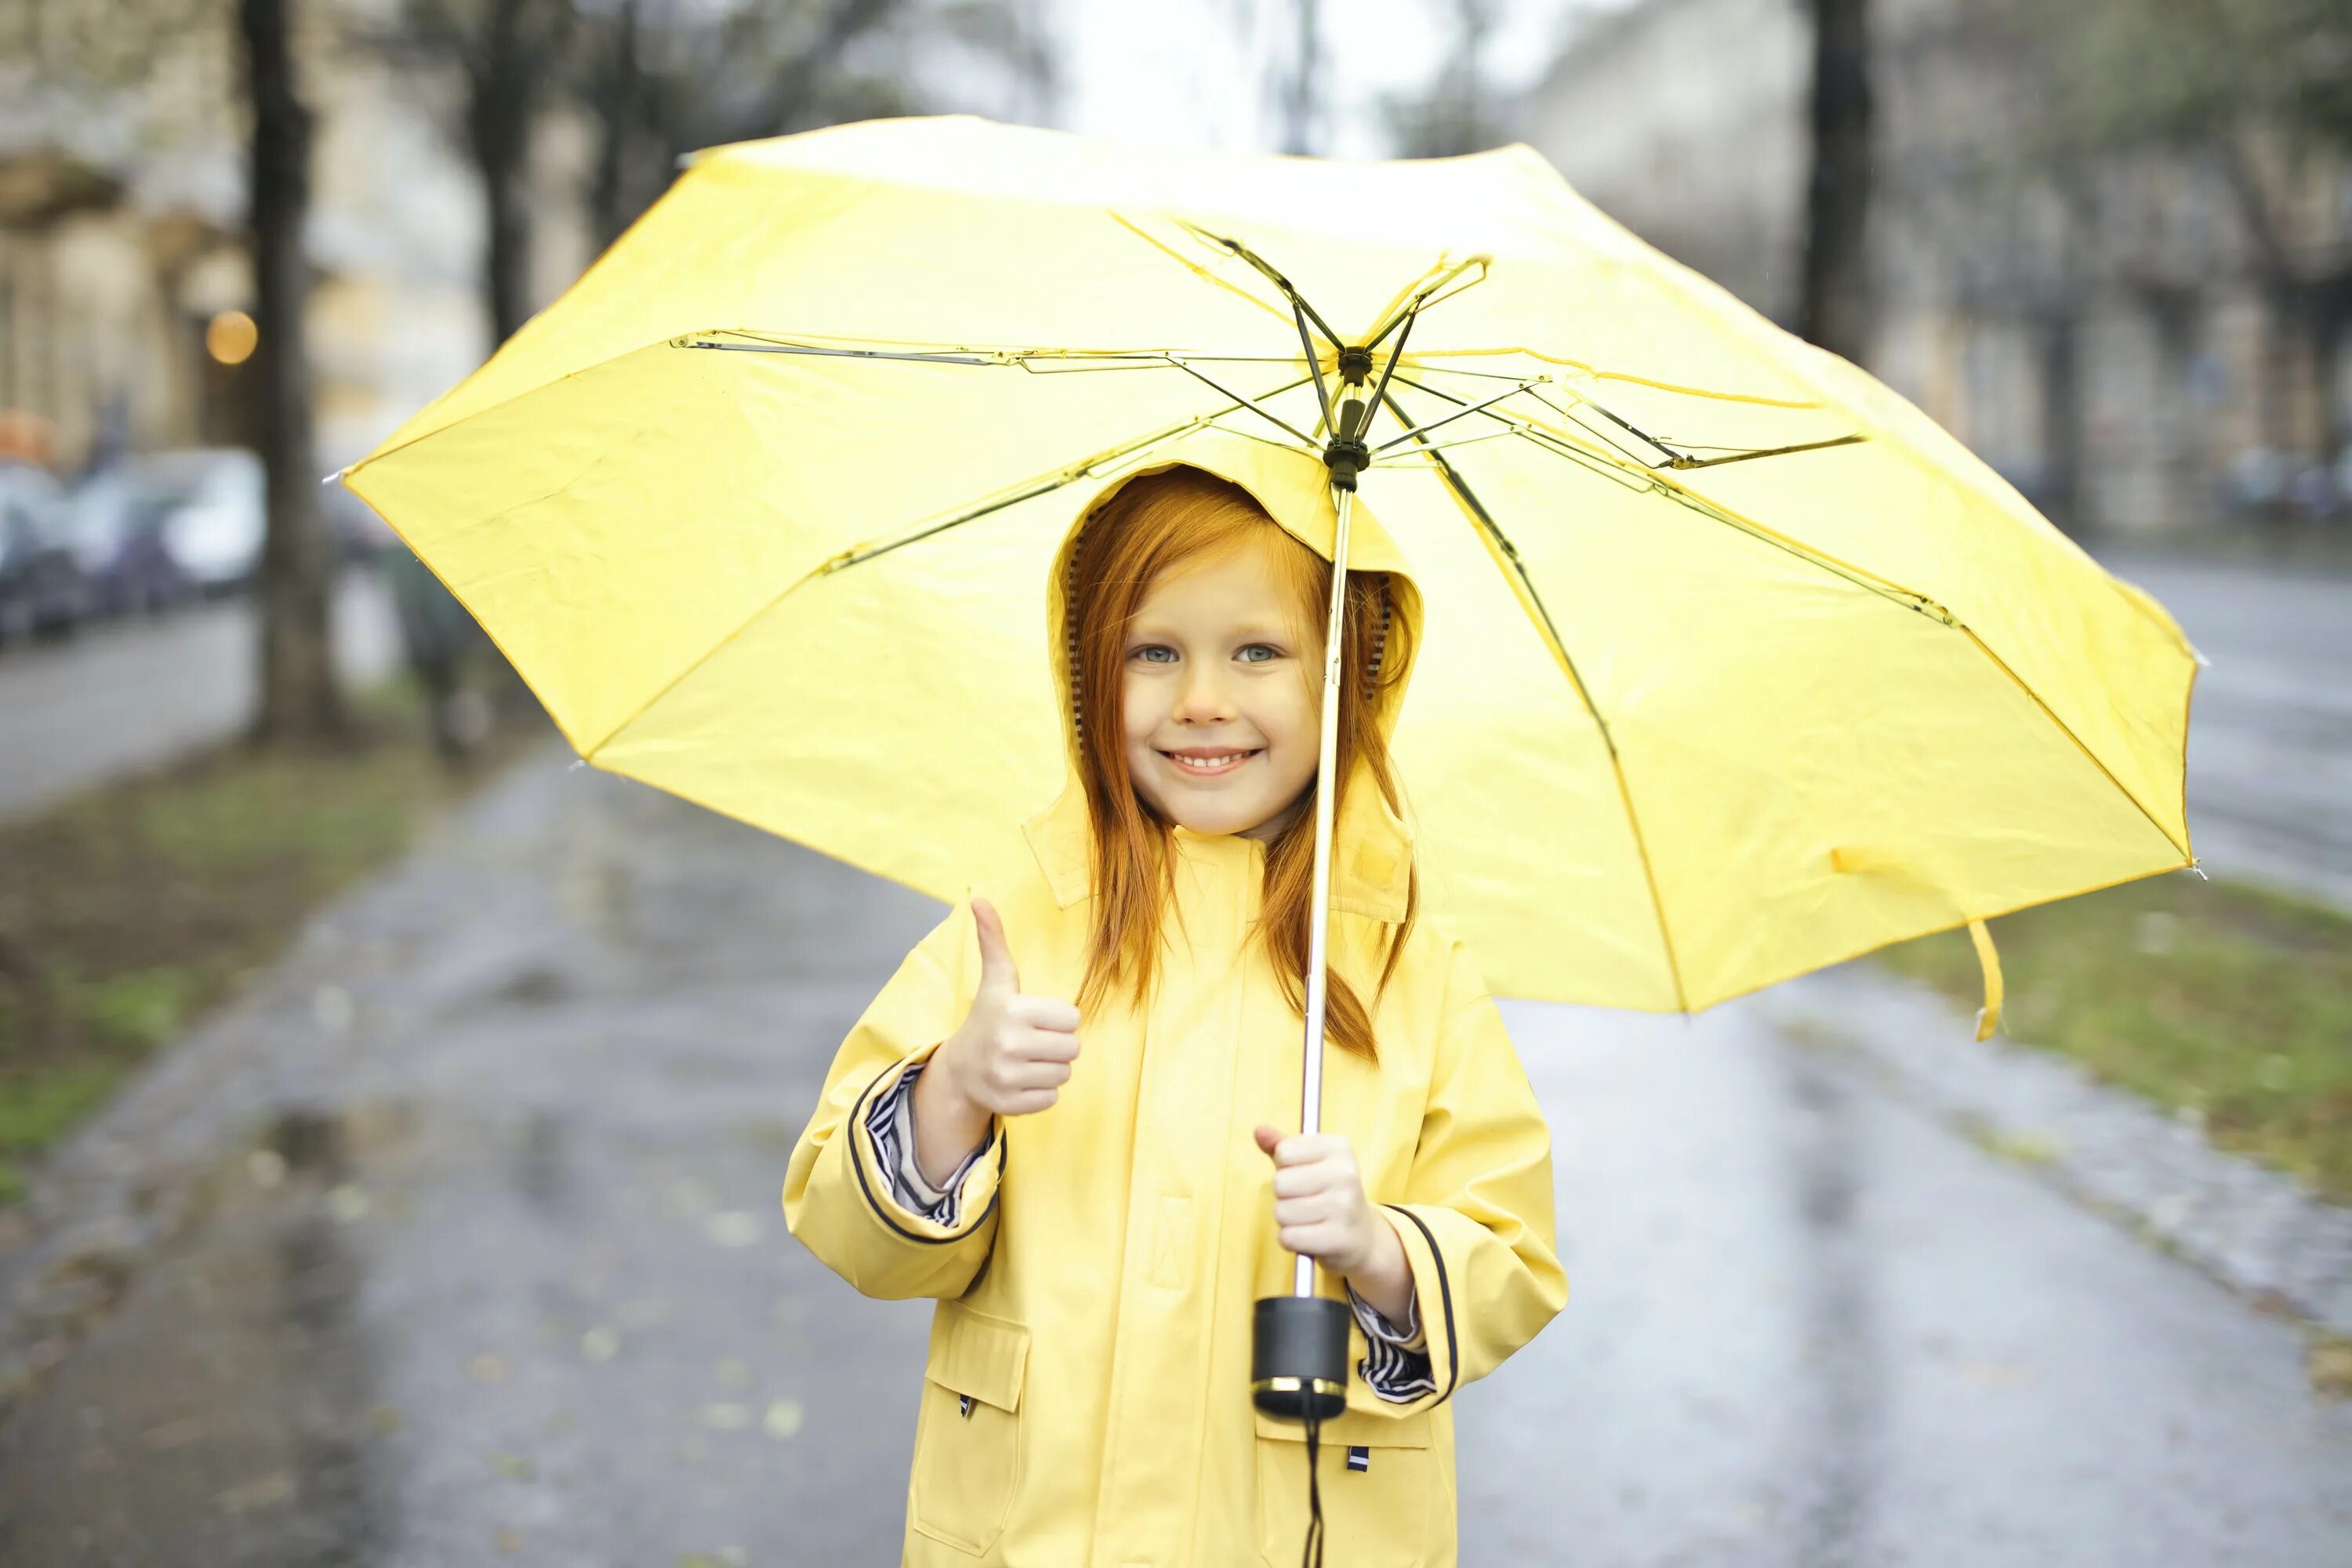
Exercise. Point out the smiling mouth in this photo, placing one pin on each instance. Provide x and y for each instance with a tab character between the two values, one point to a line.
1207	763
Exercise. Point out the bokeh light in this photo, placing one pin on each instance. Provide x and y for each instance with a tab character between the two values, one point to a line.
230	337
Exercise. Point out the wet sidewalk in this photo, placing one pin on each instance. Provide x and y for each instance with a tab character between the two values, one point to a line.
501	1276
457	1241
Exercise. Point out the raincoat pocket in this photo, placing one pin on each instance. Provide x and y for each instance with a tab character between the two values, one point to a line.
1381	1485
967	1434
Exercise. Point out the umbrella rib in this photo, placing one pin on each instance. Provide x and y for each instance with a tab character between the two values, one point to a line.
1252	404
1652	476
1195	268
1024	359
1909	598
1601	435
1678	457
1419	430
1140	359
1677	388
1297	301
1688	462
858	555
1499	543
1431	295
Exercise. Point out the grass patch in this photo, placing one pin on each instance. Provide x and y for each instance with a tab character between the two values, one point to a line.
127	911
2219	998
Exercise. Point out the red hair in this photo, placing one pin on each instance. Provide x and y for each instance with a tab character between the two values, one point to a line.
1153	524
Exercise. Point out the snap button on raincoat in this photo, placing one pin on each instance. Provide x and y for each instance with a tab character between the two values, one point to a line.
1086	1397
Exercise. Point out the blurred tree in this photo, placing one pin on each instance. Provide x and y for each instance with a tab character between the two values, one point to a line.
2258	92
1299	97
300	699
1453	115
101	48
510	56
1835	306
662	78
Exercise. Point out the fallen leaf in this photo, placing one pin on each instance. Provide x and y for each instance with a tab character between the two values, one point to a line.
263	1491
171	1434
2329	1362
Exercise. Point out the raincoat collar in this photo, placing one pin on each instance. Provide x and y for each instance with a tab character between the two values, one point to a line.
1372	846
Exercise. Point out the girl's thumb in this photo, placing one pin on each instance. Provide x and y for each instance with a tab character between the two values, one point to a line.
996	959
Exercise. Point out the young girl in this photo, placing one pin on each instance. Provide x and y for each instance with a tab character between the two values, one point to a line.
1061	1116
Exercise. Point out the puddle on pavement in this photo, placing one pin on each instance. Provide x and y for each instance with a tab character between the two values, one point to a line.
222	1410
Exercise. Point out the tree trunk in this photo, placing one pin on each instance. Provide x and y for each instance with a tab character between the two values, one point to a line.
499	152
499	120
300	699
1298	107
1835	306
2060	335
617	119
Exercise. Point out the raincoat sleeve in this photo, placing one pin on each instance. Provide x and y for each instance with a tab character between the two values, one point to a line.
838	1196
1476	1222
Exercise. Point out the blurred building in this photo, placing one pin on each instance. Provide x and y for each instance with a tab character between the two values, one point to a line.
123	176
121	214
2102	332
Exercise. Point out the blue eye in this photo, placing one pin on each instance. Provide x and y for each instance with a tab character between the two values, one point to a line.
1259	652
1152	653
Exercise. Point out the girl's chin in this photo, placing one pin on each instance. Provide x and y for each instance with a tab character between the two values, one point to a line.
1211	812
1217	816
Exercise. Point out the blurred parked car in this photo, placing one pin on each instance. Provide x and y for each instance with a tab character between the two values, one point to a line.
42	589
217	515
118	538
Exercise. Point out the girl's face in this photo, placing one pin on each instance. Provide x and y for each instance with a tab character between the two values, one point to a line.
1220	703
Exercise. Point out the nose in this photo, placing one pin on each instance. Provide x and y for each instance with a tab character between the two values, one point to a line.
1203	698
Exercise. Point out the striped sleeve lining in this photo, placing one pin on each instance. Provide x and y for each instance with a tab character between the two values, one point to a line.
1396	1364
891	1121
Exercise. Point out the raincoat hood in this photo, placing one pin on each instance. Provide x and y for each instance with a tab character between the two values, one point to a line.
1373	849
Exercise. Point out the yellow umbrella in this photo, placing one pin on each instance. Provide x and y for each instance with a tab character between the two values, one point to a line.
1736	663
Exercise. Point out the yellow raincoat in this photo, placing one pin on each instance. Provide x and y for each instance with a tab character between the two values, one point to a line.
1096	1291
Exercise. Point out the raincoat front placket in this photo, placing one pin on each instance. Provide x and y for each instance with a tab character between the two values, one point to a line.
1193	1051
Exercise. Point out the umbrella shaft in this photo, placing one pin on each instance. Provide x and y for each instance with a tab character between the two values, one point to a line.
1310	1093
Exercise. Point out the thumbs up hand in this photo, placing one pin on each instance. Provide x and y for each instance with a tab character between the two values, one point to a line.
1013	1053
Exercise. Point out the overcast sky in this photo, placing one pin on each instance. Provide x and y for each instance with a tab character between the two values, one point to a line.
1203	72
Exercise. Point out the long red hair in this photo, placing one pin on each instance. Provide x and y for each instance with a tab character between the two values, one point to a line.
1153	524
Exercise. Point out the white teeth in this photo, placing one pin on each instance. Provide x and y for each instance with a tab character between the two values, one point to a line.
1210	764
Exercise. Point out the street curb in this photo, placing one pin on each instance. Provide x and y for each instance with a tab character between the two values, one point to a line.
2264	1235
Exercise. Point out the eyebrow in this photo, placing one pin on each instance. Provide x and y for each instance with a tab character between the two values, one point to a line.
1251	632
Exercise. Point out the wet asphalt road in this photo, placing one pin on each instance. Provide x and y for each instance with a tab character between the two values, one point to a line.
132	693
501	1277
2270	723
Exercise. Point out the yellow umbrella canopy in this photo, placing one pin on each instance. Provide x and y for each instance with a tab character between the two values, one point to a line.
1736	663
